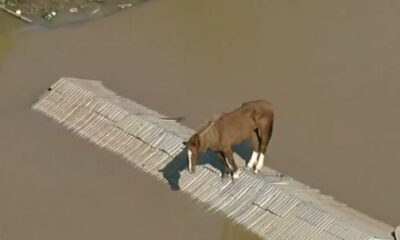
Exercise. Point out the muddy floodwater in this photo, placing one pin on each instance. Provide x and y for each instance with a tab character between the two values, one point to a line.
331	69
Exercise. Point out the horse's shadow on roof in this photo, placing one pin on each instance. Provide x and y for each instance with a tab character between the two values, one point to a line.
172	171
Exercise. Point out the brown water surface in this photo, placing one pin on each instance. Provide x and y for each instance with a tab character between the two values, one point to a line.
330	69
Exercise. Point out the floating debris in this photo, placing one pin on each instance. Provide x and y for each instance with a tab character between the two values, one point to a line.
17	12
73	10
64	11
49	16
126	5
10	2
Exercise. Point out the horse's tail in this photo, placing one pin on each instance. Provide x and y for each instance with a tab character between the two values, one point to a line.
262	121
271	128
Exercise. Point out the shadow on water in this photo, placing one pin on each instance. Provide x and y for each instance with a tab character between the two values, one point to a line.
172	171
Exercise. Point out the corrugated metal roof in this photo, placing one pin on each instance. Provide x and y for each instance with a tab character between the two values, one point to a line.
267	204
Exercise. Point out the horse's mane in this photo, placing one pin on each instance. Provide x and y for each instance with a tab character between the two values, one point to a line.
208	124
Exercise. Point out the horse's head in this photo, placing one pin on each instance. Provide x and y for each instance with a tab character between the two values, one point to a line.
199	142
193	148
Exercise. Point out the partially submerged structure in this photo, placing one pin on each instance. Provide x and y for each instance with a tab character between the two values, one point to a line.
268	204
60	12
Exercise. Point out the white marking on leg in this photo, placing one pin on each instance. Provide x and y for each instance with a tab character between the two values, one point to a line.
253	159
236	174
229	164
190	160
260	163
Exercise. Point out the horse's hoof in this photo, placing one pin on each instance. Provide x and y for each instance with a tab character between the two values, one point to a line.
224	178
235	175
224	175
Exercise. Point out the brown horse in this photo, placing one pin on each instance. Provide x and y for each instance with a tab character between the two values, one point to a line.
252	119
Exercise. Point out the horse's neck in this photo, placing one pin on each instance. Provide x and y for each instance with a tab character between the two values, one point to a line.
209	137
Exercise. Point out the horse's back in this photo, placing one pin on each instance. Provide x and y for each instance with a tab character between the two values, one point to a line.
257	101
247	113
261	106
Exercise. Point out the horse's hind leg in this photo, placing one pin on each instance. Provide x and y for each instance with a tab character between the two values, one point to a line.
265	137
229	155
255	142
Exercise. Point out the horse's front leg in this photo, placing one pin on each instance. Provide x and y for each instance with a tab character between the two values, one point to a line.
226	171
229	155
